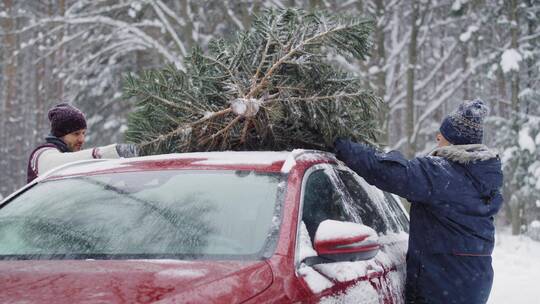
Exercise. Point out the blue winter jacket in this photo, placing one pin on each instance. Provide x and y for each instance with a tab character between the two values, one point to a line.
455	193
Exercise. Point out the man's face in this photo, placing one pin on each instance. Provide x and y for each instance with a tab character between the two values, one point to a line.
442	141
75	140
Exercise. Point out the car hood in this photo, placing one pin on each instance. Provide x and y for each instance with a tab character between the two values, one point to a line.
137	281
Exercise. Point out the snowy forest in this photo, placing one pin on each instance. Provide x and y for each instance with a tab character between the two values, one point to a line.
426	57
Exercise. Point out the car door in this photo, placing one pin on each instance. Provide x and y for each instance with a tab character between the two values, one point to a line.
382	212
326	195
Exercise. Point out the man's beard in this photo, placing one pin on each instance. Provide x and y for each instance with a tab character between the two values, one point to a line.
76	148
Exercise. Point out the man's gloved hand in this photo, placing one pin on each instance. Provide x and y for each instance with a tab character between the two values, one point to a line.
127	150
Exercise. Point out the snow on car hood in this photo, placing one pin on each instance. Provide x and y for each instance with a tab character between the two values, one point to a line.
132	281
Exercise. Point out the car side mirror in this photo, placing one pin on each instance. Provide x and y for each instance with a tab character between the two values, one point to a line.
337	241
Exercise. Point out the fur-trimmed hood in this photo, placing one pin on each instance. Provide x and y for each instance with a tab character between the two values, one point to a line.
465	154
482	165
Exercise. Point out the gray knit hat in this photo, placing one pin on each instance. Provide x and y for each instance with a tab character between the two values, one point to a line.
66	119
465	125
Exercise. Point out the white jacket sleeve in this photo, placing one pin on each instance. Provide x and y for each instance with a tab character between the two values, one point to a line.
52	158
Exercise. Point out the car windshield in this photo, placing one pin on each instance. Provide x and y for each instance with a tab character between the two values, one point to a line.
156	214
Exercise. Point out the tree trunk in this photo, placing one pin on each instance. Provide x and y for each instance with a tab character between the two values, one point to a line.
514	31
515	216
188	27
531	29
247	14
59	56
381	75
465	64
501	104
10	70
411	144
514	45
314	4
9	144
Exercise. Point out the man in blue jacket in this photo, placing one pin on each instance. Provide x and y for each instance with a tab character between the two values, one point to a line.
454	194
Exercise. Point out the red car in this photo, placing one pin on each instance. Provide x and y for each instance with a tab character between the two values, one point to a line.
216	227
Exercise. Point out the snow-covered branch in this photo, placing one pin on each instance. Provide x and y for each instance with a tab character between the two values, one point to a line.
158	9
166	52
232	15
421	84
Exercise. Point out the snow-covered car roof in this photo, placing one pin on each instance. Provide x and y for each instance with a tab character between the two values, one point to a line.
270	161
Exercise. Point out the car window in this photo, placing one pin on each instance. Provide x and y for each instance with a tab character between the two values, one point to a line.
362	204
185	214
322	200
399	215
375	208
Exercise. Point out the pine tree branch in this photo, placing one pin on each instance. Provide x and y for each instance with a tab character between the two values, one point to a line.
163	100
262	59
290	88
233	78
222	131
328	97
185	127
316	98
257	88
270	128
167	102
247	122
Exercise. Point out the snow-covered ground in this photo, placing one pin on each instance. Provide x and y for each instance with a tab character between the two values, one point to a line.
516	261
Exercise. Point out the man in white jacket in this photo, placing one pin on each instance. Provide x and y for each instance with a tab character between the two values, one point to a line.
64	144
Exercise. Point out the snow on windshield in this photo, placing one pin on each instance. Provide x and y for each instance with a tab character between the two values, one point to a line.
161	214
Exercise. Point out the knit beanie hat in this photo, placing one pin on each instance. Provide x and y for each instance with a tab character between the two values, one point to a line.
66	119
465	125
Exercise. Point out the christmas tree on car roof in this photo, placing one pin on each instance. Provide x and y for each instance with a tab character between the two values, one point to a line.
270	88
